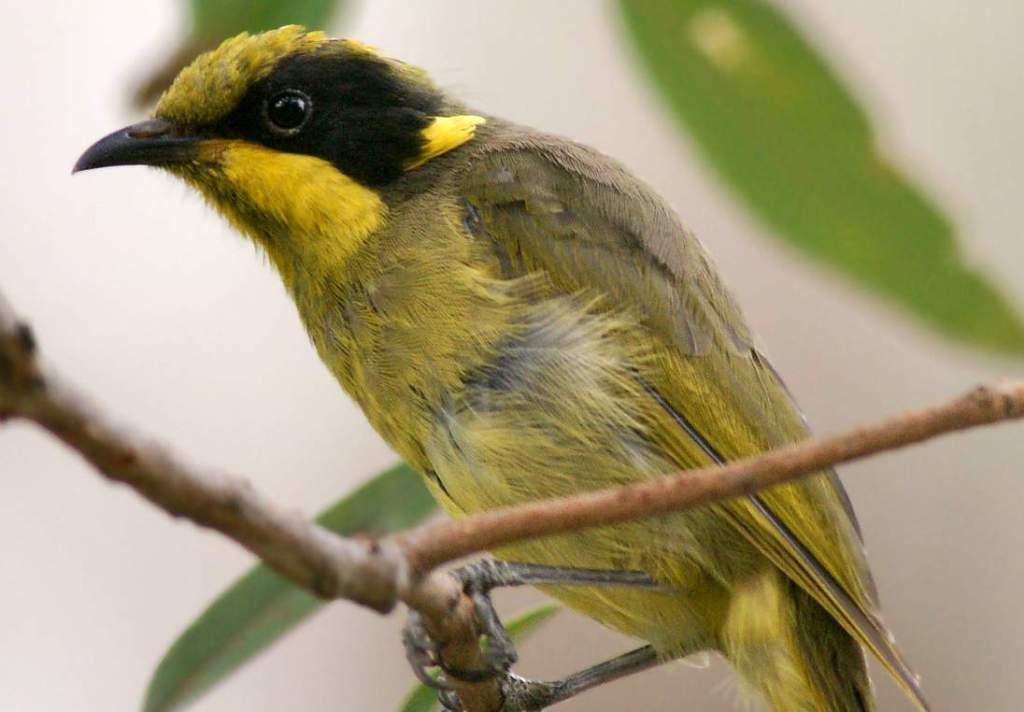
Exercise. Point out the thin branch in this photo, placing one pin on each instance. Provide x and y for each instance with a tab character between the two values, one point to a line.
307	555
371	573
379	574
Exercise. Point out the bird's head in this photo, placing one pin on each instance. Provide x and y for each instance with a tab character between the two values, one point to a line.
293	136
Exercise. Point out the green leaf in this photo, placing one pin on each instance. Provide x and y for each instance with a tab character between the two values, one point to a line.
261	606
218	19
776	123
424	699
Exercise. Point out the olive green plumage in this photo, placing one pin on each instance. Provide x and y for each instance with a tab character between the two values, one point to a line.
520	318
524	313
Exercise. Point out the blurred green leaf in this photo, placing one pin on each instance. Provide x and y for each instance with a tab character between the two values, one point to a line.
777	125
261	606
424	699
218	19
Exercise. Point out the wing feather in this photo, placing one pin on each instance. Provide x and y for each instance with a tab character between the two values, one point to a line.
623	242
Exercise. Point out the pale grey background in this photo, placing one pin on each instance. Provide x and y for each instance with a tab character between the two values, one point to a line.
145	298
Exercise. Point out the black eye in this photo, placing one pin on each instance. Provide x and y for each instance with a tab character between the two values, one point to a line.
288	111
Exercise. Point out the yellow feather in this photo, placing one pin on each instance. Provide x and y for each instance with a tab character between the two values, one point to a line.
444	134
326	214
213	84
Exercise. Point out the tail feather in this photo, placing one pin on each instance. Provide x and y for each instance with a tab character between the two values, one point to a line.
832	660
792	652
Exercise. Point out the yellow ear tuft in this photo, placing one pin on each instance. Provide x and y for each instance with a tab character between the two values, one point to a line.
444	134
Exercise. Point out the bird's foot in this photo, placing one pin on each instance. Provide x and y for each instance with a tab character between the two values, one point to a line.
499	654
478	580
522	694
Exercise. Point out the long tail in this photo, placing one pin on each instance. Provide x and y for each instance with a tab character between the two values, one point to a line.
792	652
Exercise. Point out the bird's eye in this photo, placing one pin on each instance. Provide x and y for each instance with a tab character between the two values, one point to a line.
288	111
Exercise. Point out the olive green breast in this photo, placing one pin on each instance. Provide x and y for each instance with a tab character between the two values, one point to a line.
418	309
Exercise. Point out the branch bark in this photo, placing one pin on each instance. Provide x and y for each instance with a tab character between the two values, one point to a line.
379	574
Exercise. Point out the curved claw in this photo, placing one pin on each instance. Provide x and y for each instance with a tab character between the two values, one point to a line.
450	701
421	653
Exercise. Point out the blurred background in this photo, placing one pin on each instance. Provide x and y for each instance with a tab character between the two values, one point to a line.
145	299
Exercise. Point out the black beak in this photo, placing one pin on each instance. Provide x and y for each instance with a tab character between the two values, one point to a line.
151	143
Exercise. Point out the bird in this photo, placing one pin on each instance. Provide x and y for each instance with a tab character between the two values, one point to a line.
521	318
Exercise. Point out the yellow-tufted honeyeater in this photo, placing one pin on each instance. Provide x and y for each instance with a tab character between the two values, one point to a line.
520	318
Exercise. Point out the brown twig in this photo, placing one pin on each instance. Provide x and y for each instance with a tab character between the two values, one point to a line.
379	574
434	544
372	573
310	557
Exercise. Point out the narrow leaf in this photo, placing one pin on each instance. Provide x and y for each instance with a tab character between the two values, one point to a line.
261	606
223	18
424	699
775	122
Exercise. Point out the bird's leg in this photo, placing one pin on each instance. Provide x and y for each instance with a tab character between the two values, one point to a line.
478	579
488	574
525	695
522	694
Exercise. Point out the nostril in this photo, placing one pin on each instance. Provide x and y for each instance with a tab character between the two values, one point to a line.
154	128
